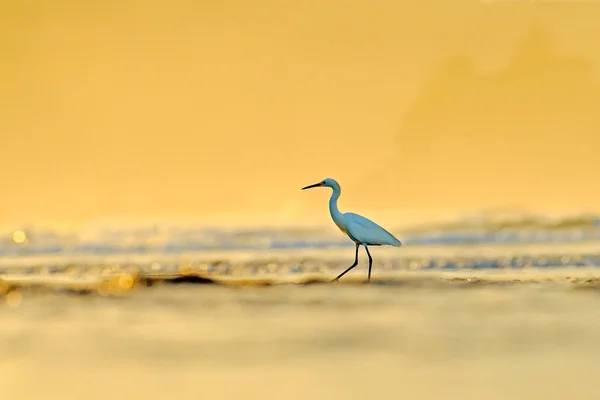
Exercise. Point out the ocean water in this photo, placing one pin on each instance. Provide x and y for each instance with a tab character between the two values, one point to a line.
481	309
174	239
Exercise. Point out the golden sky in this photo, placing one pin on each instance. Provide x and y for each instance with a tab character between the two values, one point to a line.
224	110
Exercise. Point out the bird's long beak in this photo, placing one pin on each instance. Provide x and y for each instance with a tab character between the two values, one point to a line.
312	186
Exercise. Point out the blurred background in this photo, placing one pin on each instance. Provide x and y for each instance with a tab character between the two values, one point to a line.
159	129
222	111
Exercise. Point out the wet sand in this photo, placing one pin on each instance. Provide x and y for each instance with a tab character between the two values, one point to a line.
423	334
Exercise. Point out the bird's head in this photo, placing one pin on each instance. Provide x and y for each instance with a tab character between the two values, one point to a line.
327	182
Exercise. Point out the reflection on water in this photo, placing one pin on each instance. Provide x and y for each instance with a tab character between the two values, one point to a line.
266	325
326	341
491	321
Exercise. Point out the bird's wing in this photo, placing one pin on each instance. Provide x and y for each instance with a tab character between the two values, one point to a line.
368	232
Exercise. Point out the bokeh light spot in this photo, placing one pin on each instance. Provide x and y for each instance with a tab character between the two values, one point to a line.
126	281
19	237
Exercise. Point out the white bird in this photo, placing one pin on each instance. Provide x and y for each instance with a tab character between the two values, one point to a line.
360	229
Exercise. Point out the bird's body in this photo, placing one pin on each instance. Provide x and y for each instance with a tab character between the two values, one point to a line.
364	231
361	230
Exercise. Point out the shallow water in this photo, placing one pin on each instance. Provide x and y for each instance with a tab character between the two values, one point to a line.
450	322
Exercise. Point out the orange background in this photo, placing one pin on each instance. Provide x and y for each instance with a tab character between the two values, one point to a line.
221	111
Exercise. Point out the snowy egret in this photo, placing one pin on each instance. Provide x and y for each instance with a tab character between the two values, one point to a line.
358	228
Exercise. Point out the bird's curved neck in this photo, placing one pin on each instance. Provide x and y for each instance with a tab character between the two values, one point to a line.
333	207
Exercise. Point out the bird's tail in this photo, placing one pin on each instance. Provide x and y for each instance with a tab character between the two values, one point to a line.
395	242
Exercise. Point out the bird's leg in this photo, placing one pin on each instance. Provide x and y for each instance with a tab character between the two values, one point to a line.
370	261
350	267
